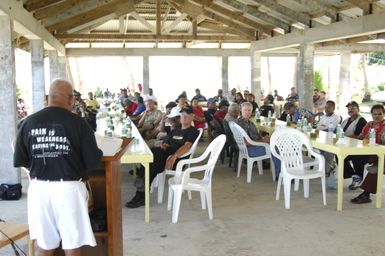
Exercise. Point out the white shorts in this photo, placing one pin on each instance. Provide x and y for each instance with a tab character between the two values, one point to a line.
58	212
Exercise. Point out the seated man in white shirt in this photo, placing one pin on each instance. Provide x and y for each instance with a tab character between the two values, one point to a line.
330	119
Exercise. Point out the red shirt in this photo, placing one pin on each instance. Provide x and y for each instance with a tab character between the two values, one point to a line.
377	129
220	115
131	108
198	112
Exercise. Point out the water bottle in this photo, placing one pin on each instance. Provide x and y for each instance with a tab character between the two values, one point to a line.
372	137
308	130
288	119
257	117
330	131
269	118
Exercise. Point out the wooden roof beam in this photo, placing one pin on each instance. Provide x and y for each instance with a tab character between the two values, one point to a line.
141	37
168	29
56	8
110	10
237	16
361	26
257	14
285	11
355	47
241	29
217	27
32	5
144	22
322	9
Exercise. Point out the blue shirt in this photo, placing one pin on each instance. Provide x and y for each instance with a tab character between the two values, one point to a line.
139	109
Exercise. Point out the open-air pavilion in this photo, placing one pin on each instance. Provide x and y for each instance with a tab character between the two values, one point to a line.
301	28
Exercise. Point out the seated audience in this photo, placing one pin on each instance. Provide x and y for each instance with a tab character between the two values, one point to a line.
150	120
378	124
177	143
329	120
129	106
251	99
222	111
293	96
251	130
231	96
289	110
219	97
199	117
277	97
319	105
268	105
239	98
315	95
198	96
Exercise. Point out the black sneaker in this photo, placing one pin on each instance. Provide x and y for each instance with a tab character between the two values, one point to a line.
135	204
356	182
363	198
136	201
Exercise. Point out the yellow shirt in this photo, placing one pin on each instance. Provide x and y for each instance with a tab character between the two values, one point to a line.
93	104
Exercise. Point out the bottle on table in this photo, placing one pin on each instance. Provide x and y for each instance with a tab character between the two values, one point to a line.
372	137
330	130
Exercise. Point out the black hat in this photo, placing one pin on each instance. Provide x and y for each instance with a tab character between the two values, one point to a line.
76	93
353	104
224	103
187	110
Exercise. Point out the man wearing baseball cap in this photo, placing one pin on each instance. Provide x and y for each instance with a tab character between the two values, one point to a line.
177	143
352	127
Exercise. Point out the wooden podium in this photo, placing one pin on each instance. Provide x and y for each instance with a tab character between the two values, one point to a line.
106	189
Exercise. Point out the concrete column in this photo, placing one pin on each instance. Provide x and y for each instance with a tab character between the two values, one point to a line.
8	174
53	65
344	94
38	81
146	74
255	87
225	75
305	76
62	67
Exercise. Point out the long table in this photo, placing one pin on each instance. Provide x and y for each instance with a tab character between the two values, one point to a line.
350	146
138	152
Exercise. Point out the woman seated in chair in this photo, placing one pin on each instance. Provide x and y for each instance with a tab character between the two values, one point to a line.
251	130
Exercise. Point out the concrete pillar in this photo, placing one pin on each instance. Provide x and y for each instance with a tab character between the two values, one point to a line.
344	92
8	174
255	87
38	81
225	75
53	65
146	74
305	76
62	67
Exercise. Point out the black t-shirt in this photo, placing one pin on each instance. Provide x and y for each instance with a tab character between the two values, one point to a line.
264	110
56	144
178	137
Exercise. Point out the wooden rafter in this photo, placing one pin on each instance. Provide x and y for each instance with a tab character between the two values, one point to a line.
57	8
237	17
144	22
257	14
32	5
168	29
241	30
285	11
158	17
141	37
111	10
217	27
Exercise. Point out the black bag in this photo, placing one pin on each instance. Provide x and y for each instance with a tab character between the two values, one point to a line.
10	192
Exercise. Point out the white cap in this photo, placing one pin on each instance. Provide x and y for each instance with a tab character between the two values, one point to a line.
175	111
149	97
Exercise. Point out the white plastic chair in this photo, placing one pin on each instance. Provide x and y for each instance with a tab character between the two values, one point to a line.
182	180
161	177
286	144
240	136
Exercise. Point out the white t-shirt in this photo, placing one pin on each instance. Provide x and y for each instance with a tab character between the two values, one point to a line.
323	124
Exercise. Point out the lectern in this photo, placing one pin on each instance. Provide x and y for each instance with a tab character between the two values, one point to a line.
106	189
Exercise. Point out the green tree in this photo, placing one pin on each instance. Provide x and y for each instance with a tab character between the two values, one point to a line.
376	58
318	81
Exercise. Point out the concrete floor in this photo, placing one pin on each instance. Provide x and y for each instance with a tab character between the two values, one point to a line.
247	221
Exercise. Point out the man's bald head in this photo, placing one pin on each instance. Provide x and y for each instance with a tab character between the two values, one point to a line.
61	94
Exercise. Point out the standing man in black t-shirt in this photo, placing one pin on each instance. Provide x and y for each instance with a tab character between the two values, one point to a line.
177	143
58	147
